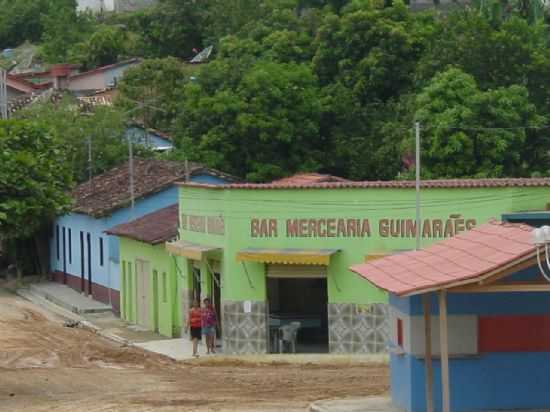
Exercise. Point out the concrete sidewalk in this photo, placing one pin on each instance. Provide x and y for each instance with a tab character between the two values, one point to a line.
68	298
71	305
376	404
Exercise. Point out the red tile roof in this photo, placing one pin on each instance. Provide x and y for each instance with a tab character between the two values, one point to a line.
396	184
465	258
308	178
110	191
153	228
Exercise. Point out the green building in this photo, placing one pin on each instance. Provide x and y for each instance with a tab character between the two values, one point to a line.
149	281
270	254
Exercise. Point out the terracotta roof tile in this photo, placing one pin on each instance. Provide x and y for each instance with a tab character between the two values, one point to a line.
399	184
308	178
111	190
465	258
154	228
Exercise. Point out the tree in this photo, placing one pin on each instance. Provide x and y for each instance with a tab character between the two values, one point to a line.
63	29
372	51
21	20
34	179
171	28
474	133
151	90
106	45
103	127
265	127
513	53
497	11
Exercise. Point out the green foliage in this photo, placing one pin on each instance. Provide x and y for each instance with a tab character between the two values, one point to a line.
20	20
150	91
371	51
34	179
106	45
473	133
497	11
104	128
264	127
173	28
63	29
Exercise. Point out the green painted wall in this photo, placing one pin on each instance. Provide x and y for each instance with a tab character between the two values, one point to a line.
239	206
163	286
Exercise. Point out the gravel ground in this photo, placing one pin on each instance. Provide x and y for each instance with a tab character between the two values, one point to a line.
45	366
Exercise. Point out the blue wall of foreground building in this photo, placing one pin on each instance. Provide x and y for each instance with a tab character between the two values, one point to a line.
486	381
491	381
104	267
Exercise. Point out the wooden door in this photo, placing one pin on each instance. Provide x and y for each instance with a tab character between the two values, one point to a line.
143	292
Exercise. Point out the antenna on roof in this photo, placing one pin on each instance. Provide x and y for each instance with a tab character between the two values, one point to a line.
203	55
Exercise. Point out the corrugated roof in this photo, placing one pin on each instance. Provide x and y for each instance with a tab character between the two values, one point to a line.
395	184
153	228
104	68
110	191
463	259
308	178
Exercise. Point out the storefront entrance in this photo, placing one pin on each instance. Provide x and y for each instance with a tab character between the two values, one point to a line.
297	296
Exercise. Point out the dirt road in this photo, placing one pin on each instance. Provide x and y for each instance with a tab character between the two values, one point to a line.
45	366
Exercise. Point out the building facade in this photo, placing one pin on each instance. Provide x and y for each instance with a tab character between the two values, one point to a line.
273	254
82	255
148	276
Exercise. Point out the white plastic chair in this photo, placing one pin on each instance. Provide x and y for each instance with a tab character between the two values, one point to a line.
289	333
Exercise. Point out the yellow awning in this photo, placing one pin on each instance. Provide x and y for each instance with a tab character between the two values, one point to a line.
287	256
189	250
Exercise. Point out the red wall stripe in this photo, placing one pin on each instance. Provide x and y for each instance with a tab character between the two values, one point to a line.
514	333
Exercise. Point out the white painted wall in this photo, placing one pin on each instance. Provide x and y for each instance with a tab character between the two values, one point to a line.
462	330
95	5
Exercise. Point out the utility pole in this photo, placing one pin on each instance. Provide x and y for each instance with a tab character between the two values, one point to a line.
131	173
3	94
90	159
417	185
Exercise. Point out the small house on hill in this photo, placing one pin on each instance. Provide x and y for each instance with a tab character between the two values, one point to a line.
81	254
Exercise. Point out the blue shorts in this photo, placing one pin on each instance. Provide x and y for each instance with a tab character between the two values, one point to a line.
209	330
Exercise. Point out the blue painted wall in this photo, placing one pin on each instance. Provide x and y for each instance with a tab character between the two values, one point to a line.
108	273
487	381
492	381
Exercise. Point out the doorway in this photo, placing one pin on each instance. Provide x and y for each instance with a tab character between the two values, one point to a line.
196	289
156	306
303	300
217	300
143	293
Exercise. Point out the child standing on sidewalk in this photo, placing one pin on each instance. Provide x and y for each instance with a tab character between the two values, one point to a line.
209	321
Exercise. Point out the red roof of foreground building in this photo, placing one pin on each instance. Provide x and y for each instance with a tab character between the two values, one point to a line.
460	260
393	184
153	228
308	178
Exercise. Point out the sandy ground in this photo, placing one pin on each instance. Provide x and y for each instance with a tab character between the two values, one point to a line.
45	366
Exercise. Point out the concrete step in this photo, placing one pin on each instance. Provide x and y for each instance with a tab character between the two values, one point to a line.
68	298
370	404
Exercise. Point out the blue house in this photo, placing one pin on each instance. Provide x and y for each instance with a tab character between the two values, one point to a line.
81	254
150	138
470	321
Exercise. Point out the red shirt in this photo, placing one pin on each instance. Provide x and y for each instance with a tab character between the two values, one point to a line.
195	318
